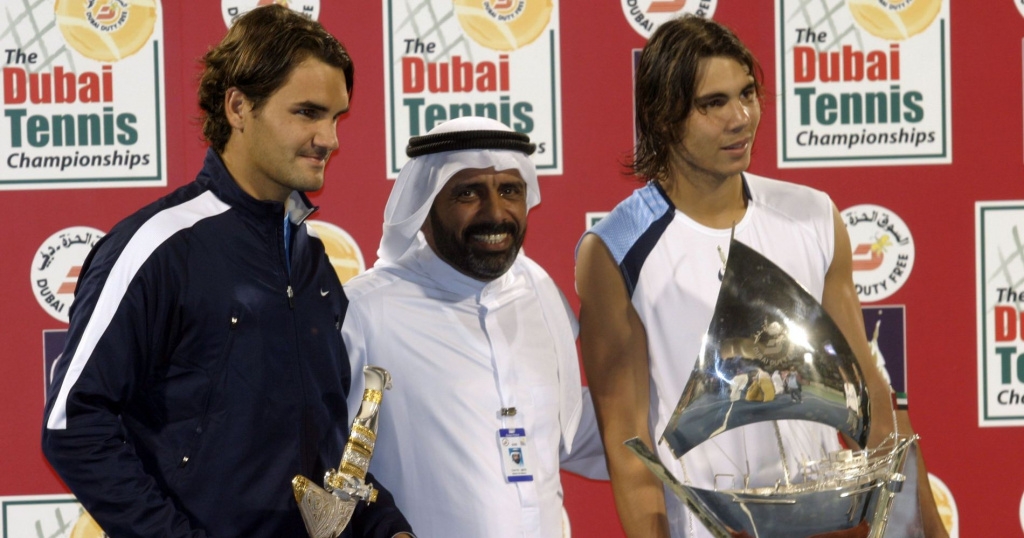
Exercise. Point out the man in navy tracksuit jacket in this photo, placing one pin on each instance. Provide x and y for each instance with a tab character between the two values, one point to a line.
204	366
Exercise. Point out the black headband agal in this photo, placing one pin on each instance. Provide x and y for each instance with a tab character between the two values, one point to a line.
461	140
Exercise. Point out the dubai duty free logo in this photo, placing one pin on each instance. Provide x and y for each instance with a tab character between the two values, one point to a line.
232	9
57	265
883	251
645	16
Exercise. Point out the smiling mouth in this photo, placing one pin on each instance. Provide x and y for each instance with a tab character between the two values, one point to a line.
490	239
739	145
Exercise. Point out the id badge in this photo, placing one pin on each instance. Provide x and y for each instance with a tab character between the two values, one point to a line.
515	458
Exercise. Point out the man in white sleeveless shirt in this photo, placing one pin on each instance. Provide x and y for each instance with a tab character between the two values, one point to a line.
648	276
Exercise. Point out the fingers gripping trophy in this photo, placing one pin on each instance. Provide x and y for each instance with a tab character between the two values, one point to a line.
326	511
764	321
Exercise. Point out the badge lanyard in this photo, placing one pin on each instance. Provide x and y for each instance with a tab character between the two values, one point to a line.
512	436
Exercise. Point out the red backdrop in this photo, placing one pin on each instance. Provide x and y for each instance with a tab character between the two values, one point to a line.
936	202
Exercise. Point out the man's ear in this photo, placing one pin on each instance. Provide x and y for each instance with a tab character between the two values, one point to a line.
236	105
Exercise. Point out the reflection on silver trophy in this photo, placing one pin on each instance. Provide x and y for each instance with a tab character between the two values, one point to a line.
772	353
326	511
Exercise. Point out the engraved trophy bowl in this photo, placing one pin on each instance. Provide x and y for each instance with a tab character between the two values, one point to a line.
768	332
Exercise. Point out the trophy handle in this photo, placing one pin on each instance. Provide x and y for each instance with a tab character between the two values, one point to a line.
362	436
326	511
893	484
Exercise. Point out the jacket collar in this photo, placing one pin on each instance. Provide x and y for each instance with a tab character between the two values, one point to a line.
215	176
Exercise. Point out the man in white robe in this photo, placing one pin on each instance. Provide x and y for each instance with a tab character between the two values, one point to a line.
479	341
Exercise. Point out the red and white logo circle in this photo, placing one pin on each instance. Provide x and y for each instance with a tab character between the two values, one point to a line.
645	16
232	9
883	251
56	267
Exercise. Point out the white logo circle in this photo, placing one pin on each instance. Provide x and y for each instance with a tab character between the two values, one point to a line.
1022	505
56	266
232	9
946	505
883	251
342	250
645	16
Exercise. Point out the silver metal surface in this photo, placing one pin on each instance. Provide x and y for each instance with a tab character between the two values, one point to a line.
766	325
326	511
765	322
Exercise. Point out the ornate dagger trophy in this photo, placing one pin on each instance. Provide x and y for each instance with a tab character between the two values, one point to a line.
326	511
765	324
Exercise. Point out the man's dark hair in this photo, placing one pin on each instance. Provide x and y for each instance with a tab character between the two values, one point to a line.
256	56
666	83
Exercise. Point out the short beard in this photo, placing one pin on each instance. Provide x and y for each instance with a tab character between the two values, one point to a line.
485	266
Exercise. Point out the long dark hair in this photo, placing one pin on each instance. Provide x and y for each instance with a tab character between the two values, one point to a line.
666	81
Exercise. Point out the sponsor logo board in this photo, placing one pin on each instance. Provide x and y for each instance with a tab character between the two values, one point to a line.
593	217
232	9
946	505
493	58
56	266
82	95
886	330
645	16
883	251
1000	290
342	249
863	82
49	516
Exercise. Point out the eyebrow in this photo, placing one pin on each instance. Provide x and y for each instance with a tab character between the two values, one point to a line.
476	182
711	96
311	104
318	107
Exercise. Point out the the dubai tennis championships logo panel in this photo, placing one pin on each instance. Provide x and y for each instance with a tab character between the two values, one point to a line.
82	94
863	82
495	58
999	229
50	516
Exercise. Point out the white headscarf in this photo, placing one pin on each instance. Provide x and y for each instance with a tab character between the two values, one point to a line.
423	177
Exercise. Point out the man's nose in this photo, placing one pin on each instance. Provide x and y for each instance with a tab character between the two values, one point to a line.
327	136
739	114
493	206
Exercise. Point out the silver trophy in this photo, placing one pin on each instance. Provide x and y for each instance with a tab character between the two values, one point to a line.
326	511
766	324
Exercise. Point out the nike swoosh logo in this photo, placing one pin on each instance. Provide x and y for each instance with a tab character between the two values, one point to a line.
324	293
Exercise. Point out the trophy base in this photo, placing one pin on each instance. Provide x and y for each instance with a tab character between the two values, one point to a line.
324	514
847	494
